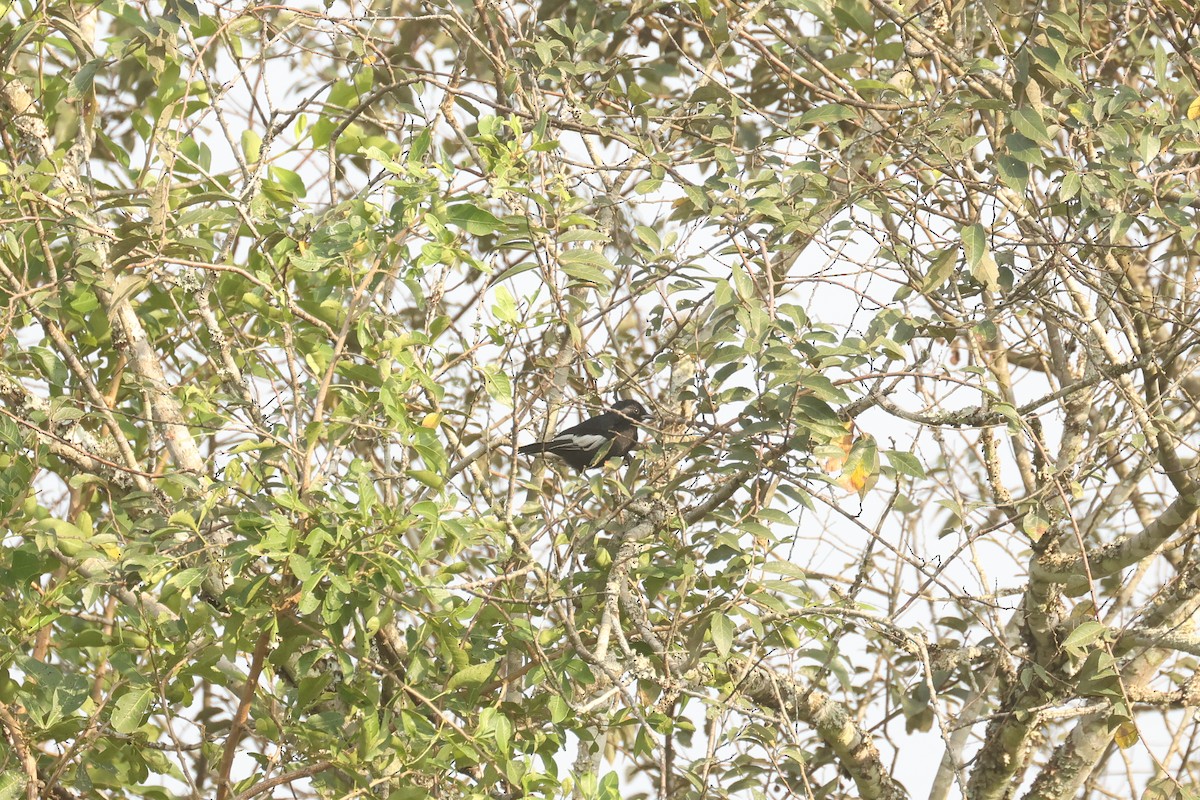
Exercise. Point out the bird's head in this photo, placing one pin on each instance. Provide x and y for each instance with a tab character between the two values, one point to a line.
632	410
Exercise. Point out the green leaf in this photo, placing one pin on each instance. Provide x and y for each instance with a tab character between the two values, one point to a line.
787	568
474	675
744	284
193	576
1120	224
498	385
1149	147
420	145
129	712
636	94
648	186
559	710
1069	186
610	787
251	145
722	629
514	270
699	199
582	235
1083	635
1098	676
823	115
1013	172
587	266
940	270
648	237
871	85
428	477
12	785
979	258
1029	123
819	418
505	307
81	82
905	463
472	219
290	181
1024	149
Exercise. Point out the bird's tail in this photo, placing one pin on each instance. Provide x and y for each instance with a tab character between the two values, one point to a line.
536	447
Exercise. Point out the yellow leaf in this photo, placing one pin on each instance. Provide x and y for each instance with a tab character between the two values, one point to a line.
861	468
1193	111
110	548
1035	523
835	462
855	480
1126	735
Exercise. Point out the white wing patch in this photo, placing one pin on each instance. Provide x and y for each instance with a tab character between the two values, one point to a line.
586	443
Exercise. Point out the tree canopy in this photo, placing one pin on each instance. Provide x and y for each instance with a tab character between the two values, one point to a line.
910	289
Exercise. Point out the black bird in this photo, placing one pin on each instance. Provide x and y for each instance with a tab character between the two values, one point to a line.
588	444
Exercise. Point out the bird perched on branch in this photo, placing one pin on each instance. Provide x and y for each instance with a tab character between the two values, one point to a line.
588	444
